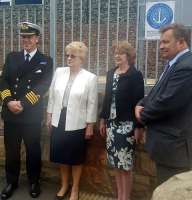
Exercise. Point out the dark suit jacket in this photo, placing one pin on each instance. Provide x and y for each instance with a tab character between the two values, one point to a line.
168	116
130	90
27	82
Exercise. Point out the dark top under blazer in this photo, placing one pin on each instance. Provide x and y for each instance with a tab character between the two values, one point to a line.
168	116
130	90
27	82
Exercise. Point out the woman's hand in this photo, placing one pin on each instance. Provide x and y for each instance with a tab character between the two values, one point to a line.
48	121
139	135
89	131
102	127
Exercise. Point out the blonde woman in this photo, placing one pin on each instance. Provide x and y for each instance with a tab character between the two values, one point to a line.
71	112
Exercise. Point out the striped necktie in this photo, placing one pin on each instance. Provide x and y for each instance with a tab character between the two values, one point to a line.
166	69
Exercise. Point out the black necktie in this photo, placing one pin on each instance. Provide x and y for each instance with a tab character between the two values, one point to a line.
27	58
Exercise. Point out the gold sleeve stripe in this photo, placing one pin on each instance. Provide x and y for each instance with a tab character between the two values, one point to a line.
32	97
5	93
29	100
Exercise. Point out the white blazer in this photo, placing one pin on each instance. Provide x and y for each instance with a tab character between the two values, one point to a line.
83	98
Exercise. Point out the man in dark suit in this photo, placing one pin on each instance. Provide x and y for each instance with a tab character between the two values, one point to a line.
25	80
167	110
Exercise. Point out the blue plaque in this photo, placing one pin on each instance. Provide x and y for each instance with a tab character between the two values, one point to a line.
25	2
159	15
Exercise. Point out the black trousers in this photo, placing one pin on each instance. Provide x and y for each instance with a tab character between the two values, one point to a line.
14	133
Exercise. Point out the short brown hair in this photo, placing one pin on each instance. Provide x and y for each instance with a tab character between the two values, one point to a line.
124	47
180	32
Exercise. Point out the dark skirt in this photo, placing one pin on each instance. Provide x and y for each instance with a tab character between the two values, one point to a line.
67	147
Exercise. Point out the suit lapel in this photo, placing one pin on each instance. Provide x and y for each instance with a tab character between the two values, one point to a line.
21	58
159	84
20	62
62	80
110	80
25	68
35	59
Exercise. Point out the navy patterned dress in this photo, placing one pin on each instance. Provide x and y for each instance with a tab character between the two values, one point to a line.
120	140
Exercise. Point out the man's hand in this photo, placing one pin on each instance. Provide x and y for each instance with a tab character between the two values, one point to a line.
15	106
138	111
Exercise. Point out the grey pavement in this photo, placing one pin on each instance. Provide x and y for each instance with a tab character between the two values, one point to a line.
49	189
22	193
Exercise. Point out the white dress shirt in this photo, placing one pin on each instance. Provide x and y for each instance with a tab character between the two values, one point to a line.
31	53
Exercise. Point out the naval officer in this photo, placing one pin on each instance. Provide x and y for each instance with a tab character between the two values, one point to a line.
25	79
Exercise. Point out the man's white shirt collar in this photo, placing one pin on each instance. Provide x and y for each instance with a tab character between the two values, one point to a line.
31	53
173	61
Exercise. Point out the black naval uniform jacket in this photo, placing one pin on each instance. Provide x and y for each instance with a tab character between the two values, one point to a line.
27	82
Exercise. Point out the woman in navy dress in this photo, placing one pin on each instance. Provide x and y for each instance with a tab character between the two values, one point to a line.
71	112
